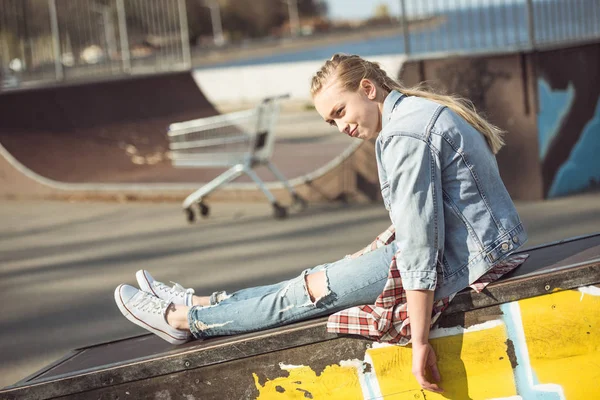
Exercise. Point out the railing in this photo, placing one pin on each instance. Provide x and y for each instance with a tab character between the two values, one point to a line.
53	40
496	25
44	41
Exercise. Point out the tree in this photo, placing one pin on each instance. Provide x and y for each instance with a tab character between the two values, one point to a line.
382	11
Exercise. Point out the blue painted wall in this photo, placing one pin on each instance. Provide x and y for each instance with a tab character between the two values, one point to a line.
581	171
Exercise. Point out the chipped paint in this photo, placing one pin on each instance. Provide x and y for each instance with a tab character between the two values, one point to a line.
289	367
334	381
380	345
540	348
390	368
510	351
459	330
366	376
518	352
591	290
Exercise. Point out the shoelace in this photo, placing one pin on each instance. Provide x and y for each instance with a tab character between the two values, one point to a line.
150	304
176	290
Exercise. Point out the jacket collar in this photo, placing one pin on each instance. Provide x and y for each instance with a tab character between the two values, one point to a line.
389	105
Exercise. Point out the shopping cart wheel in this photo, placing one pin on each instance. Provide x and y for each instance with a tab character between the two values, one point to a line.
204	210
279	212
299	202
190	215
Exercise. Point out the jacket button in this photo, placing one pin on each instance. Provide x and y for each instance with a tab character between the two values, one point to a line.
504	246
515	239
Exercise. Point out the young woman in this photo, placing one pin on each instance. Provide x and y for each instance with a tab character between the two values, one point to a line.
454	225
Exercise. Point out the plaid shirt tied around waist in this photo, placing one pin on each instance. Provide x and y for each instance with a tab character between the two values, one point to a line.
387	320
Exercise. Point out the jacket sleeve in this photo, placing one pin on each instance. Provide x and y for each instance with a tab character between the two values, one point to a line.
413	171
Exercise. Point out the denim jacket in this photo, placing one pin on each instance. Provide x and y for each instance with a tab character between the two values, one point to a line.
440	182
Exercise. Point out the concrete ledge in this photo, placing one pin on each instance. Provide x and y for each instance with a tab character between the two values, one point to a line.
479	330
232	88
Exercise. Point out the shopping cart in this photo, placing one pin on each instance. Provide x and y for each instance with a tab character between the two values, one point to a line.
240	140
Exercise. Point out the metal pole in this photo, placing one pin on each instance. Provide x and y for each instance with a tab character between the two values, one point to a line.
215	18
172	27
109	34
26	38
405	31
530	26
185	36
55	40
124	38
294	19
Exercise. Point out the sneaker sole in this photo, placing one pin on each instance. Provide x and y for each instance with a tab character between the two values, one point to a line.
129	315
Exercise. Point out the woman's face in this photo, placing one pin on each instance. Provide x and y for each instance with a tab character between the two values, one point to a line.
356	114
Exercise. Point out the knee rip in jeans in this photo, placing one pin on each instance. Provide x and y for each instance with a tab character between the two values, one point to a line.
316	288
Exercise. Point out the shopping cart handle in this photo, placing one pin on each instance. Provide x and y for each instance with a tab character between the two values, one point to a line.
277	97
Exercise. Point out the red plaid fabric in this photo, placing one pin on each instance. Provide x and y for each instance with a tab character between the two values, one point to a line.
387	320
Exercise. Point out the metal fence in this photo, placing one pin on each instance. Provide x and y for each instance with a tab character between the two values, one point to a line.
53	40
433	26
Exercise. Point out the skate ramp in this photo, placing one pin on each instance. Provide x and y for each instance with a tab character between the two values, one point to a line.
108	139
100	132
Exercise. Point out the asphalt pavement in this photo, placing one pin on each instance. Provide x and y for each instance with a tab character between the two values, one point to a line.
60	261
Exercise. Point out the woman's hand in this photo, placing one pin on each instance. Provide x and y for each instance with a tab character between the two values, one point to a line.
423	361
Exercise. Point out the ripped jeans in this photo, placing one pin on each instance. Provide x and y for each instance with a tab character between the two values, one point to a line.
350	282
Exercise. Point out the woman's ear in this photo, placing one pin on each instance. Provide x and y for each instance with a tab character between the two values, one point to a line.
368	88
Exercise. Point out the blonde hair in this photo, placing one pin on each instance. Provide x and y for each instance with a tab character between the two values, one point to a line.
351	69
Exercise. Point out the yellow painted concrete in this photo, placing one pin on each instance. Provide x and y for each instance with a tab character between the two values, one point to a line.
562	331
335	382
480	356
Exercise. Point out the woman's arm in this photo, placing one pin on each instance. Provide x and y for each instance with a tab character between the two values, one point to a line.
413	172
420	303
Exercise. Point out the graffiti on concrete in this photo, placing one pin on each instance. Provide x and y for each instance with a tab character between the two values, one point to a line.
581	170
543	348
553	107
526	382
569	119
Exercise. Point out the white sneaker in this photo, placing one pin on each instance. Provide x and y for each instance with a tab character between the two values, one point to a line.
149	312
176	294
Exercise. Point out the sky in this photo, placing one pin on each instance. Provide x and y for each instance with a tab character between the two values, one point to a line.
362	9
358	9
